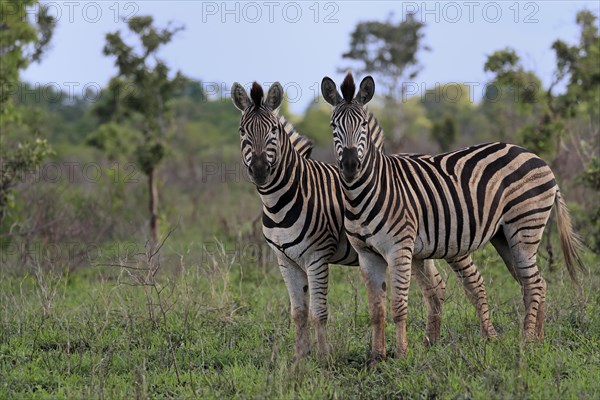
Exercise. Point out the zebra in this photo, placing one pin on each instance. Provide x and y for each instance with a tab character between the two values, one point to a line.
402	209
303	214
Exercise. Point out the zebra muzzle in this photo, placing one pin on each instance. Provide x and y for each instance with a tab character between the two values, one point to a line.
259	168
349	164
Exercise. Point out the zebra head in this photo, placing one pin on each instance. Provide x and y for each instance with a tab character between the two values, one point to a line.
259	129
350	122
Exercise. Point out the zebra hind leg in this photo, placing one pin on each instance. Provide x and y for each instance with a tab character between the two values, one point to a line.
433	288
501	245
475	288
523	243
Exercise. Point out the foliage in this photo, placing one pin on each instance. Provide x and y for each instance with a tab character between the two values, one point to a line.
14	166
515	101
21	42
115	140
150	93
444	133
552	115
387	50
225	332
315	123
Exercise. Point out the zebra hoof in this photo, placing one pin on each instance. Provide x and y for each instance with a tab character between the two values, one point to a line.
489	333
375	359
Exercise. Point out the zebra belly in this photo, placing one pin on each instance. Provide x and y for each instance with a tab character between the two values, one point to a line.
303	251
345	253
423	248
454	247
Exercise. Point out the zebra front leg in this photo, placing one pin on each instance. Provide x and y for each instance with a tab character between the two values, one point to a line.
373	272
318	279
433	288
296	282
400	270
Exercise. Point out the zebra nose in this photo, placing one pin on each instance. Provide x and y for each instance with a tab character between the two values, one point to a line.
350	162
259	168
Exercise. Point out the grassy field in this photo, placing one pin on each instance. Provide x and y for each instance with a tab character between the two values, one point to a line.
211	327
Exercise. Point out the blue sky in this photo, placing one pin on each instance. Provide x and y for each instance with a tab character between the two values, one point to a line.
297	43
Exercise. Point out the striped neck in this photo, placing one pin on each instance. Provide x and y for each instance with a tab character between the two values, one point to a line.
286	174
365	191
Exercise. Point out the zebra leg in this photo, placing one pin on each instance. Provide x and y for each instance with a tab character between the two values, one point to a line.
400	262
501	245
433	287
373	272
475	288
318	277
523	242
297	285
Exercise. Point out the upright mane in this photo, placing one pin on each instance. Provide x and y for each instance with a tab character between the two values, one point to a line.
348	87
256	94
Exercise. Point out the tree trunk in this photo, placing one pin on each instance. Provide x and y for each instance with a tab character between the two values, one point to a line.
153	191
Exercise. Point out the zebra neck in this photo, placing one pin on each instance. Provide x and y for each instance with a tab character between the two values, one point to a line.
363	191
286	176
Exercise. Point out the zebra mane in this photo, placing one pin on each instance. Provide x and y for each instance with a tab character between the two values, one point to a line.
301	144
348	87
377	135
256	94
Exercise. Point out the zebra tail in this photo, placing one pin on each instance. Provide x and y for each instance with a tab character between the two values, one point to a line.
570	242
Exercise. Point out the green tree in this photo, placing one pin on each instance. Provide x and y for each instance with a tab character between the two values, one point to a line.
514	102
444	133
453	101
388	50
579	65
570	118
22	41
315	123
143	92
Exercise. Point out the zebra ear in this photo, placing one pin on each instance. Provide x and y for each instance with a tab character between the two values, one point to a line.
240	98
366	90
330	92
274	96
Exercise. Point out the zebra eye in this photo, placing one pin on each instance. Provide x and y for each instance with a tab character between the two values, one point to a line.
333	125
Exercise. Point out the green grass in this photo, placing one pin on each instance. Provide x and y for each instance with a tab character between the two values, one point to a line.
225	332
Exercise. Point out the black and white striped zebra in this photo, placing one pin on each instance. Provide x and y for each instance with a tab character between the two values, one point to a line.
303	213
405	208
